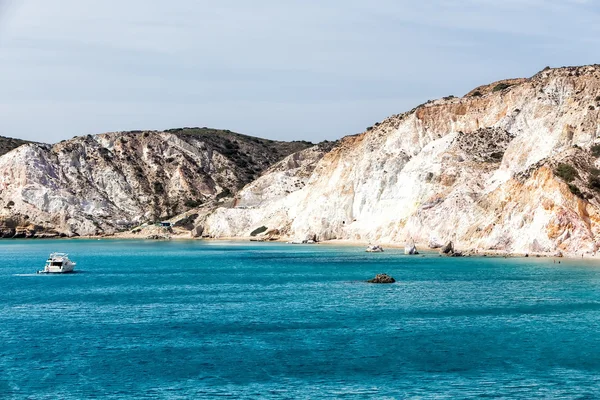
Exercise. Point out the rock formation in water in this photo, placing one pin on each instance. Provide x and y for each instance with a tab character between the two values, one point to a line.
382	278
105	183
411	248
510	166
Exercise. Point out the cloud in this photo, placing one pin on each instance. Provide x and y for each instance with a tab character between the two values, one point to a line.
284	70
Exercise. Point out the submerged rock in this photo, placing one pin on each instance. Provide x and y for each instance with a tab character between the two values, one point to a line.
382	278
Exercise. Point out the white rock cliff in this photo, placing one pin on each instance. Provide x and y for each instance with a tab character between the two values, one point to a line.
101	184
512	166
478	170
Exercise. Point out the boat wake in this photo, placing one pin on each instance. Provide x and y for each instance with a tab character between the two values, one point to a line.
49	273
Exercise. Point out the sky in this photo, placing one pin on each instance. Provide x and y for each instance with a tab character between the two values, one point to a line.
286	70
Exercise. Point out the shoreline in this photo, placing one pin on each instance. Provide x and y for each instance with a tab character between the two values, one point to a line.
181	236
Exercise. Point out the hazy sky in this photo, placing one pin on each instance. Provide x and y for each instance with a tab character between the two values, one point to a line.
281	69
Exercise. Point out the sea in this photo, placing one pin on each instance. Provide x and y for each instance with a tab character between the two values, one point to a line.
209	319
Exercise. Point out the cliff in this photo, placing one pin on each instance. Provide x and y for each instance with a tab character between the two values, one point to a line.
510	166
104	183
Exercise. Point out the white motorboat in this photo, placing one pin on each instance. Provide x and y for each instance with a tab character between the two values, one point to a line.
58	263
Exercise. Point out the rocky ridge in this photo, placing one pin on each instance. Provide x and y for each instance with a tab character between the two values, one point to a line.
101	184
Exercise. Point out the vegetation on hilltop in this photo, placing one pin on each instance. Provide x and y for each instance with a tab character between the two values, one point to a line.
219	136
251	154
7	144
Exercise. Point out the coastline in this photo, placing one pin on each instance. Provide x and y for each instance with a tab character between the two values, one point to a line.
184	235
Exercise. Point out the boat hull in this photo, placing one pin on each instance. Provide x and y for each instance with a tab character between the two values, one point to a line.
65	269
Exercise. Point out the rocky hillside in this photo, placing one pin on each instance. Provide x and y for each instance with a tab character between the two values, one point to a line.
7	144
510	166
261	201
104	183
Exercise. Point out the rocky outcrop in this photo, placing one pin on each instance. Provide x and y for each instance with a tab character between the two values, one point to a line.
109	182
374	249
270	235
382	278
197	231
448	248
411	249
485	170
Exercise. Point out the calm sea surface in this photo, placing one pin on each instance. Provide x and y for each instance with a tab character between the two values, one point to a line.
193	319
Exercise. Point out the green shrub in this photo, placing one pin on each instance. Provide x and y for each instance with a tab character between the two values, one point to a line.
566	172
158	188
230	145
595	150
575	190
594	183
500	86
225	193
476	93
192	203
597	98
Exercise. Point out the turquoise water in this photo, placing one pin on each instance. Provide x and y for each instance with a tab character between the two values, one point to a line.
193	319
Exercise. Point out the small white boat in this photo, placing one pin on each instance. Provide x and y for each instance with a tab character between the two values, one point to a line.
58	263
374	249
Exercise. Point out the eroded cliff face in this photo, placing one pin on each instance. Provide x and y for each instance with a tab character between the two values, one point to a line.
100	184
269	200
478	170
